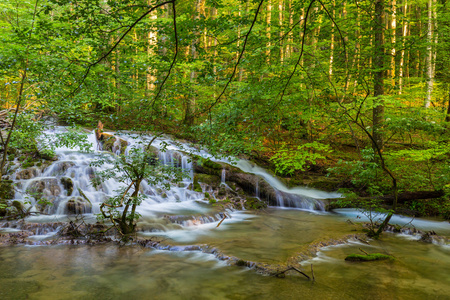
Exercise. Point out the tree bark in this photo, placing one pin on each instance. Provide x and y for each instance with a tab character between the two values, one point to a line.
378	65
268	30
429	60
393	30
402	56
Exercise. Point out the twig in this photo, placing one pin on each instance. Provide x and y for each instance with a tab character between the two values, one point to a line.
292	268
224	217
363	251
312	273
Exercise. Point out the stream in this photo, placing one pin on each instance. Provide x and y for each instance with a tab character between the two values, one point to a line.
273	236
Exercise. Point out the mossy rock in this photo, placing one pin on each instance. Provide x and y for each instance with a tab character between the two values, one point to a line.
77	205
254	203
369	257
196	186
211	164
108	143
6	189
211	180
27	173
67	183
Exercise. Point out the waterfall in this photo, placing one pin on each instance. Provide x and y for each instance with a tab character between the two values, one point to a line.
223	177
64	187
257	188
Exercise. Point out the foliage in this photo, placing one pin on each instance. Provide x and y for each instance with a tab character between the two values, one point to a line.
364	174
287	162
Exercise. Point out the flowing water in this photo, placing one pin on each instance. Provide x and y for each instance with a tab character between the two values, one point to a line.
420	271
184	217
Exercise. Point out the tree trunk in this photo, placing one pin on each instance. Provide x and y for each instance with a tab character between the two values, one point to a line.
402	56
429	60
330	69
290	35
280	24
393	30
378	65
268	20
190	103
151	42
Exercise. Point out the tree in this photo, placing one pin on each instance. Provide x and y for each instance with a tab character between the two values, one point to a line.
139	165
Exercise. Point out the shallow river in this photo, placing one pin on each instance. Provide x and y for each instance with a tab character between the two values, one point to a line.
420	271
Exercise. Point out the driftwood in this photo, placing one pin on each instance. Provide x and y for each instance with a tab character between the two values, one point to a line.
282	273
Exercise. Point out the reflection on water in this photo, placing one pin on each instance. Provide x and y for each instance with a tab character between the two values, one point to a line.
420	271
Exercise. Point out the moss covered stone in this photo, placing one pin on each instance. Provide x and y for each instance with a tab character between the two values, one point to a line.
211	180
197	187
254	203
369	257
6	189
67	183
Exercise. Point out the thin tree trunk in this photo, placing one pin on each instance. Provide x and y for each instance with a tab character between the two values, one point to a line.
268	30
402	56
290	35
393	32
378	64
280	24
330	69
151	42
190	103
429	61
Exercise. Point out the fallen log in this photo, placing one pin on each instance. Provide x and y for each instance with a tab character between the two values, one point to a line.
410	196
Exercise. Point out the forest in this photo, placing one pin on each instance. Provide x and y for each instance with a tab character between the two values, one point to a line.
345	97
358	89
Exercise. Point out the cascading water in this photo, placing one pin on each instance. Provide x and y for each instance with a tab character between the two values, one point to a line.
64	187
297	197
224	176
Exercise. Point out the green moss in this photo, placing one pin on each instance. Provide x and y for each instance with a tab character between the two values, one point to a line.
6	189
212	201
369	257
27	164
207	195
212	165
212	180
197	187
108	144
254	203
